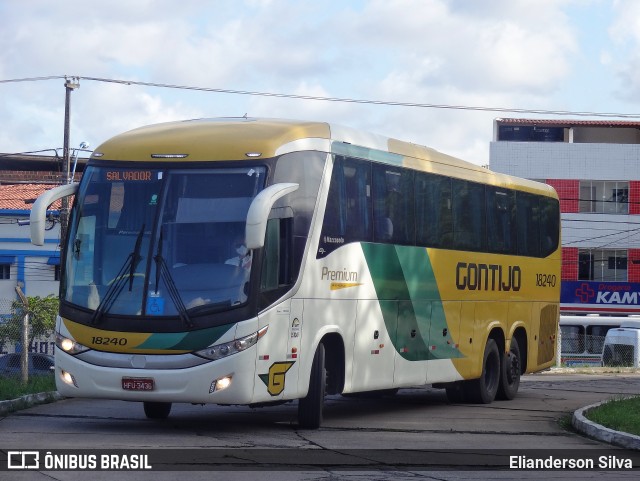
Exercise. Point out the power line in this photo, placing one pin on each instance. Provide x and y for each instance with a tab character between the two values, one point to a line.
333	99
32	79
14	154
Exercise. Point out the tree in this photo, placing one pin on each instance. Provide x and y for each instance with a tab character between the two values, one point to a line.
42	318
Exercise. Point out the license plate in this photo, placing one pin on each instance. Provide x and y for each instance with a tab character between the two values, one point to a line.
137	384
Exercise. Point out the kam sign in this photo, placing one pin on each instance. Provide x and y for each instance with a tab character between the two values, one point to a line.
593	296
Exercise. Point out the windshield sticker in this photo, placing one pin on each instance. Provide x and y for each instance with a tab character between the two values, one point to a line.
155	306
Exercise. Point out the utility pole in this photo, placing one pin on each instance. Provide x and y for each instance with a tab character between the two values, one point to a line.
70	85
24	355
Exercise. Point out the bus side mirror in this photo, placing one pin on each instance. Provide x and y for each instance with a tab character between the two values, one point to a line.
259	212
38	215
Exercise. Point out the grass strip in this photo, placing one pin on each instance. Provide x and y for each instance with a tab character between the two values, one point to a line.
12	387
619	414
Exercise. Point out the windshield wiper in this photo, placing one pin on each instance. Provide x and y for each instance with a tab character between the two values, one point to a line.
130	264
163	270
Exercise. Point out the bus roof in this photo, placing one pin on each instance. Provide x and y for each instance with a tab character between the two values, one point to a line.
593	320
245	138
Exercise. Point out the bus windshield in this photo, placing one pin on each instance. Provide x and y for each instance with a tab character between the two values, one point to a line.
160	242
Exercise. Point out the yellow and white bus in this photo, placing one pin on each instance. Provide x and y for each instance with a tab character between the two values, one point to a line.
251	261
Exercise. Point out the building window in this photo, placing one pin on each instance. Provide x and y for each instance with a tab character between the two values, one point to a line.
528	133
605	265
604	196
5	271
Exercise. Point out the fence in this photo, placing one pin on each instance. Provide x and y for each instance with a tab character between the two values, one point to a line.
578	349
621	351
41	339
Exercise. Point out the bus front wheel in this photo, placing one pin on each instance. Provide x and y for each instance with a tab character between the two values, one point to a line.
484	389
510	372
157	410
310	407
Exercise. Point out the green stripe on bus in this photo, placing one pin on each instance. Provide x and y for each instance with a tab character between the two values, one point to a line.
410	301
185	341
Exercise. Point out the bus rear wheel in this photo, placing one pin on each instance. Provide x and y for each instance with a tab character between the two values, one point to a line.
157	410
510	372
484	389
310	407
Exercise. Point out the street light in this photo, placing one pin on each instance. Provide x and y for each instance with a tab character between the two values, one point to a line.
83	146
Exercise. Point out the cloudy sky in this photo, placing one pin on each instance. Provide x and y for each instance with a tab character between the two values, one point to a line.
558	55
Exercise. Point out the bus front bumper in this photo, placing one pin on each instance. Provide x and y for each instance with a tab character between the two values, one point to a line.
225	381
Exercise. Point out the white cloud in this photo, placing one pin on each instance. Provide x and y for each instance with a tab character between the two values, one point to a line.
625	59
440	44
494	53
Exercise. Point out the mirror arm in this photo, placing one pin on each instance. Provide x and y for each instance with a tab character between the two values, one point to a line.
259	212
38	215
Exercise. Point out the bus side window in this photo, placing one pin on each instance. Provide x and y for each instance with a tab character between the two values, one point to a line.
501	220
469	225
528	214
347	216
549	225
572	339
393	204
434	221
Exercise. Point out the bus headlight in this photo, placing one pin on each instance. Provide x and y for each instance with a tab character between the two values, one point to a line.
69	345
228	348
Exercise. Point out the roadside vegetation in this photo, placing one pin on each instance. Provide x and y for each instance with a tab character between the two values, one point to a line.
12	387
619	414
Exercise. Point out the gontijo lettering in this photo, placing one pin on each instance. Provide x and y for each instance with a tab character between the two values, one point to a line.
488	277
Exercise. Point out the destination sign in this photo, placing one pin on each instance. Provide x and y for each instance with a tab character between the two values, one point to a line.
128	175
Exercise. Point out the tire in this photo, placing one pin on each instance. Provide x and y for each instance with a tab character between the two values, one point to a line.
157	410
484	389
510	372
310	407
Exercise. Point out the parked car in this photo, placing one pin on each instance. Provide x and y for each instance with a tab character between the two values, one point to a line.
621	346
39	364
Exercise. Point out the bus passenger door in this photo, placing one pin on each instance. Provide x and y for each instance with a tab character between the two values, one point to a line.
294	337
276	363
373	351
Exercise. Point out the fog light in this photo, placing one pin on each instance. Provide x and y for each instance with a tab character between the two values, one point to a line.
68	378
220	384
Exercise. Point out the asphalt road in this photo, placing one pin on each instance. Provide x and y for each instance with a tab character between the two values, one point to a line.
361	437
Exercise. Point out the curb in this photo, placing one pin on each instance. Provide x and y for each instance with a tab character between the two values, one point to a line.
601	433
29	400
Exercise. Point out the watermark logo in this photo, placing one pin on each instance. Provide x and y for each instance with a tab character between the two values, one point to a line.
23	460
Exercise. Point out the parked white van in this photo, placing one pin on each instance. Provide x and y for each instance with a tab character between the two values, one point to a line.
622	345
